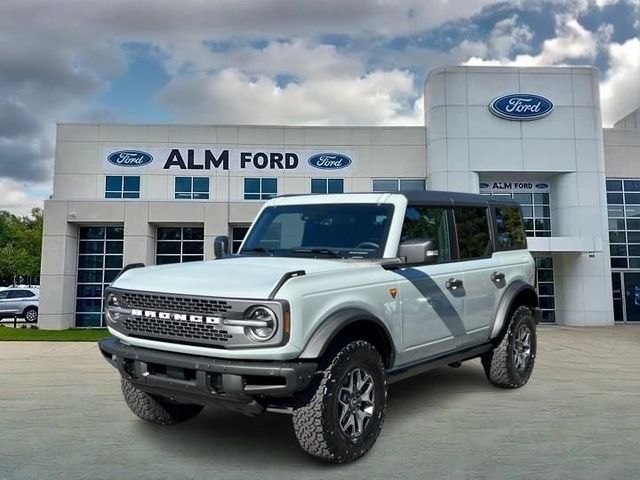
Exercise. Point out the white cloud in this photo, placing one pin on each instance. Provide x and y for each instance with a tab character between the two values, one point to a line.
620	89
231	96
16	197
508	36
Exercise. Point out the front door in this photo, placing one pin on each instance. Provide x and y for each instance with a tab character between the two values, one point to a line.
432	304
632	297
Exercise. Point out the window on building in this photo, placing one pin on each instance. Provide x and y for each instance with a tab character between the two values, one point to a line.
238	233
260	188
179	244
509	227
122	186
398	184
100	251
428	222
327	185
472	228
192	188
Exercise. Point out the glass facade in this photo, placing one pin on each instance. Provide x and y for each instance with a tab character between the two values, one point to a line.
191	188
327	185
122	186
398	184
623	205
536	213
100	251
179	244
260	188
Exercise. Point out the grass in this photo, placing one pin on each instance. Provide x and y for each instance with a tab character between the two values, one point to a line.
9	334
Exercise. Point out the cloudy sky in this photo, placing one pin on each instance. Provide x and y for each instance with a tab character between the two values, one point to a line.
329	62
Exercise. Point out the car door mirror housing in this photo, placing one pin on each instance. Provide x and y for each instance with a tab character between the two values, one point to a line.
221	246
419	251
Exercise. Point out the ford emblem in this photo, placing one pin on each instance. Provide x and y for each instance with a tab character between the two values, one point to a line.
329	161
521	106
130	158
484	185
542	185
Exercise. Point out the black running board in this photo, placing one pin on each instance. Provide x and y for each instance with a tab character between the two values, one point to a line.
405	371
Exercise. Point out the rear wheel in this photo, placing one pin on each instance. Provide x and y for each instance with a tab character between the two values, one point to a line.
30	314
156	409
510	364
344	416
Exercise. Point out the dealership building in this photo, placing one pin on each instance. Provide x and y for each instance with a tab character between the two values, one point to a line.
160	193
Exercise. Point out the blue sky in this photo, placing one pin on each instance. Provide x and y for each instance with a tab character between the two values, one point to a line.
361	62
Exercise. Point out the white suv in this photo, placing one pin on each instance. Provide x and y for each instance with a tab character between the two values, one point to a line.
329	299
20	302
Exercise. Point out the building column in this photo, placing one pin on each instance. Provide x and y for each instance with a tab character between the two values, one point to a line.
582	280
58	268
216	222
139	234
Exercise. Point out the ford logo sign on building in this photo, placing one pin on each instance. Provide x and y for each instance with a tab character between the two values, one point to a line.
130	158
521	106
329	161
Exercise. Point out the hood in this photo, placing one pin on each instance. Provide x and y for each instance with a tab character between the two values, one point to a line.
237	277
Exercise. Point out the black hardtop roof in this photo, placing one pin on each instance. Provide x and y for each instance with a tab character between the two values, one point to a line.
434	197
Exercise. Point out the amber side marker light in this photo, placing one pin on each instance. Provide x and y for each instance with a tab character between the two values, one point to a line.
287	321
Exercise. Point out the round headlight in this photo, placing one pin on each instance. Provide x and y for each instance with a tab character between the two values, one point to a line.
267	328
113	310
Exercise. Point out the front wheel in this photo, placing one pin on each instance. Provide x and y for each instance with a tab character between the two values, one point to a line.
343	418
156	409
509	365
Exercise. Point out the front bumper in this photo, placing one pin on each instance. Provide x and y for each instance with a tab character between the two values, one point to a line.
206	380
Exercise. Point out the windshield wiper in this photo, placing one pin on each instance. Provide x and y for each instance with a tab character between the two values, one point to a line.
319	251
258	250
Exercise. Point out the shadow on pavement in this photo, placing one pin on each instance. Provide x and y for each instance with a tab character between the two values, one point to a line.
229	437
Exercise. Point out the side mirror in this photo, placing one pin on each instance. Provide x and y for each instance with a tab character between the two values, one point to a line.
419	251
221	246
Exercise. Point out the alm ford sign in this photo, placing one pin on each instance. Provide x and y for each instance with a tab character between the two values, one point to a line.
521	106
130	158
329	161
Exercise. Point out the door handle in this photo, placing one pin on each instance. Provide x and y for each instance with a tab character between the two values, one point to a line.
453	283
497	277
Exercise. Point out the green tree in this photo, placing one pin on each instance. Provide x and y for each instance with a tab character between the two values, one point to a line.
20	243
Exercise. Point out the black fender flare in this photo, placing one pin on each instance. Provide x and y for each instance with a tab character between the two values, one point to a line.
504	307
331	326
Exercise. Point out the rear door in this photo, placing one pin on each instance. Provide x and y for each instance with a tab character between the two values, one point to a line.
479	268
10	302
432	307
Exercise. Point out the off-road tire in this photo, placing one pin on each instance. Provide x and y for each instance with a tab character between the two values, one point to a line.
499	364
28	314
156	409
316	424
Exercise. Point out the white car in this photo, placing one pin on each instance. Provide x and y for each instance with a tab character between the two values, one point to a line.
330	298
21	302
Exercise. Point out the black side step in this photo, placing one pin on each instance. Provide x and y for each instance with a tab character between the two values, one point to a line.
405	371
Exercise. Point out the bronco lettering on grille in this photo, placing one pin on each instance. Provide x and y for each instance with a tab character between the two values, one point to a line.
176	316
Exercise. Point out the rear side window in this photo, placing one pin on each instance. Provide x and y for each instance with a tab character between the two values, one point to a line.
509	228
472	228
21	294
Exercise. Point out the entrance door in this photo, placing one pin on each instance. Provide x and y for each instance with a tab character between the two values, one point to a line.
632	296
618	301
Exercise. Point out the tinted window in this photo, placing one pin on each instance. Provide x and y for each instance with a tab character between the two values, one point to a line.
4	294
472	228
20	294
509	227
428	222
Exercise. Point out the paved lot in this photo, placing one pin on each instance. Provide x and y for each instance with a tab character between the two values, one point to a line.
61	417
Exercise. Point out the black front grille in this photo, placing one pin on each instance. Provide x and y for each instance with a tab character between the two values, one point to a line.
175	304
176	330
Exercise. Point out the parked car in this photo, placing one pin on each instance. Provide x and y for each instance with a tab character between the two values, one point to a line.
21	302
330	298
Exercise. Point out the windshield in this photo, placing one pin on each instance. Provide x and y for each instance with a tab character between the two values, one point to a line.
334	231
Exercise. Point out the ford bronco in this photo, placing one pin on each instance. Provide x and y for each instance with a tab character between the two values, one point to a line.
329	299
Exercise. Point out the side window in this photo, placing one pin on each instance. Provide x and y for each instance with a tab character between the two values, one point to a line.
4	294
428	222
20	294
509	228
472	227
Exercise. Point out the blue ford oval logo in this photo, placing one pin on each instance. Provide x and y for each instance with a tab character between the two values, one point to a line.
130	158
329	161
542	185
484	185
521	106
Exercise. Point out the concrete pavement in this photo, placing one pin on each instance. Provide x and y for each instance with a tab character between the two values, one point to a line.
62	417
